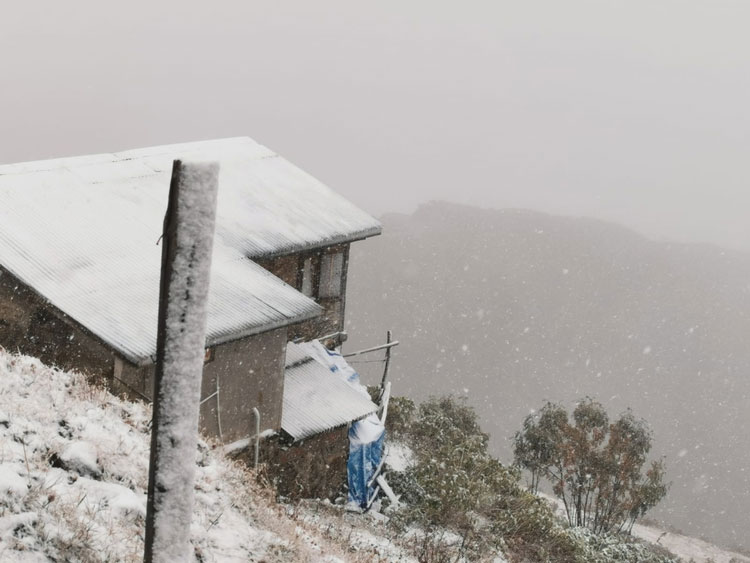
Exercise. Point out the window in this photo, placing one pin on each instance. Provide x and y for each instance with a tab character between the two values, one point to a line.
331	269
307	277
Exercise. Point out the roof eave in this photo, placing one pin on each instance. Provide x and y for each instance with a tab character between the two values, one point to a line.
230	337
340	239
307	435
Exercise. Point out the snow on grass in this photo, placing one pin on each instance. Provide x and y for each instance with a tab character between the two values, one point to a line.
366	535
81	458
12	485
399	456
73	480
370	537
688	548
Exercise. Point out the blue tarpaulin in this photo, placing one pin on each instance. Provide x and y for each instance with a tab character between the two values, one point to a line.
366	438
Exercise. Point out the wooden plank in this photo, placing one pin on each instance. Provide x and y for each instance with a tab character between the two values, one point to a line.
373	349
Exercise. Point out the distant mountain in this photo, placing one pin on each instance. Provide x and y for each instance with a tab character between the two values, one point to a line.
512	308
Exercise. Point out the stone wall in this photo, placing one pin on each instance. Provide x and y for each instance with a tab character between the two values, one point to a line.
313	468
30	325
290	268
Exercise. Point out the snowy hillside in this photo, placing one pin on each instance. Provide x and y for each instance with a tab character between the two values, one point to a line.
73	476
73	480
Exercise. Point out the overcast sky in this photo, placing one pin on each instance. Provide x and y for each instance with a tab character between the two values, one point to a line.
633	111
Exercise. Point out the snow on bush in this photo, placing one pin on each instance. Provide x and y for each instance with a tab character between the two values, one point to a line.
608	548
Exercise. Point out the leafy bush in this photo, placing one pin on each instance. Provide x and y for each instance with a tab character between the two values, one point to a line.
456	484
607	548
468	505
594	466
400	417
456	473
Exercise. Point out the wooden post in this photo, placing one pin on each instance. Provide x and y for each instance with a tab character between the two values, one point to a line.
186	264
387	361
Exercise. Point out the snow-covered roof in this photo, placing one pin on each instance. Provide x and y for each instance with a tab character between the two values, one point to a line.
83	233
317	399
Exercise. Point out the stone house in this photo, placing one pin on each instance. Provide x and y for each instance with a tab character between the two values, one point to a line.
80	265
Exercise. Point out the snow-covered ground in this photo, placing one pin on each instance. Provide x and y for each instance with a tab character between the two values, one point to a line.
366	534
73	476
398	456
684	547
73	479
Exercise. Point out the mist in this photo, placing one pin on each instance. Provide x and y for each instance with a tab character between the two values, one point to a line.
510	309
633	113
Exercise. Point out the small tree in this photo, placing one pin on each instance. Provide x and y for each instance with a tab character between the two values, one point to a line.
457	474
455	483
594	466
536	446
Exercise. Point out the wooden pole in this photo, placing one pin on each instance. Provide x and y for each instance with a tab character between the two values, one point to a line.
180	340
387	360
373	349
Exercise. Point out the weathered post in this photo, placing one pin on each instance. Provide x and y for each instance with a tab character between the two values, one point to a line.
387	362
186	264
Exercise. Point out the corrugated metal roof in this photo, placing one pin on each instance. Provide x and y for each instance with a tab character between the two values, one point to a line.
266	204
295	354
83	233
316	400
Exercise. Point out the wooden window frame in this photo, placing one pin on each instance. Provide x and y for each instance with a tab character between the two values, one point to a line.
314	274
334	281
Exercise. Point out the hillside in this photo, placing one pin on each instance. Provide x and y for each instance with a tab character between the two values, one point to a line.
73	476
512	308
73	463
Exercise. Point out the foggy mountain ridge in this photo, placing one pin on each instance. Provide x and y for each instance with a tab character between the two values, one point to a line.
512	308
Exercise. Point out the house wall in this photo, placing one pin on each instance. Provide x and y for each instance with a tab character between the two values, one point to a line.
313	468
289	268
249	372
29	324
286	268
